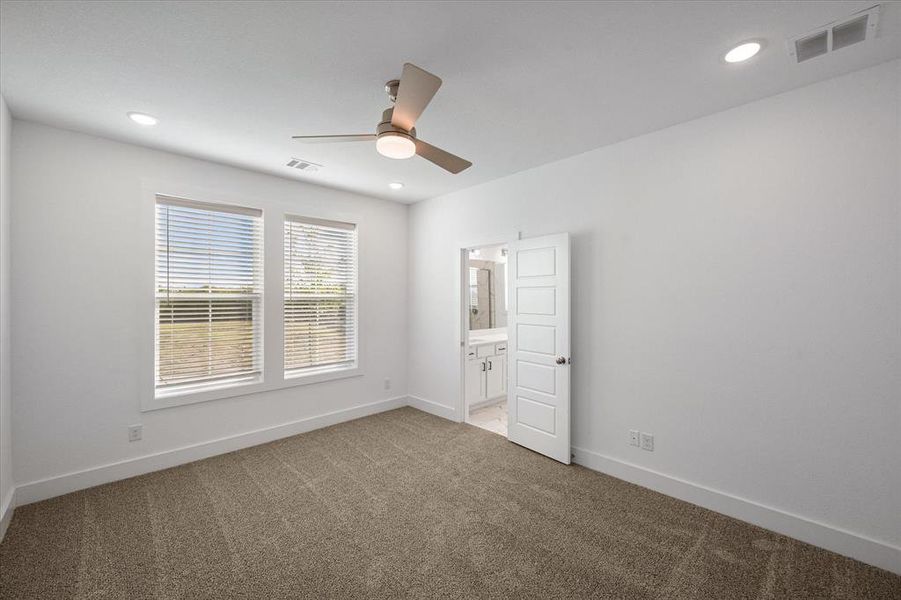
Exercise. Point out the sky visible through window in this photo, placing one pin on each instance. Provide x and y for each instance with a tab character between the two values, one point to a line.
205	250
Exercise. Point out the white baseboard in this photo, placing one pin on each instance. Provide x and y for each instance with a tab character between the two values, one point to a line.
840	541
79	480
865	549
439	410
7	506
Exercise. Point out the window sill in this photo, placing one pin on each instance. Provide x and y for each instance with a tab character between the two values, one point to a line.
317	376
244	388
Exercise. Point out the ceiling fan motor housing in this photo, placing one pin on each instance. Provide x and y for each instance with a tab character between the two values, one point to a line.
385	126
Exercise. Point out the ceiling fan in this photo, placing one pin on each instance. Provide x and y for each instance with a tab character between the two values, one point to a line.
395	136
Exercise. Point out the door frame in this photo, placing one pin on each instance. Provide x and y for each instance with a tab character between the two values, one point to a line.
462	260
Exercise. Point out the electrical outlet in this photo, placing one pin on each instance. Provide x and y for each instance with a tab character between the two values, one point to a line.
387	383
647	442
135	432
634	437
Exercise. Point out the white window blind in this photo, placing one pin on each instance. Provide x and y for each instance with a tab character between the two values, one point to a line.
209	287
320	296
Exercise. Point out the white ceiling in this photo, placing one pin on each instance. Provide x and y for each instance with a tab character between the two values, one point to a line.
524	83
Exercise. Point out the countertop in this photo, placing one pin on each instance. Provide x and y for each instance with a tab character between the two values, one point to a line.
487	338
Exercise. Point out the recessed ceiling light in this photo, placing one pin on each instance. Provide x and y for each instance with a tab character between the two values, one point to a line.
395	185
142	119
742	52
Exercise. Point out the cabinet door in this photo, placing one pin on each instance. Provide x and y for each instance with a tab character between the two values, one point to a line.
475	380
483	380
497	376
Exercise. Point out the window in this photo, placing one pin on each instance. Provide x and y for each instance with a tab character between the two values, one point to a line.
320	296
209	287
473	288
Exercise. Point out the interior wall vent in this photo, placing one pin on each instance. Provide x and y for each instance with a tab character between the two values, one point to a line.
303	165
859	27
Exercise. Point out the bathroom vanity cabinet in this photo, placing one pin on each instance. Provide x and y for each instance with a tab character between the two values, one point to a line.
486	373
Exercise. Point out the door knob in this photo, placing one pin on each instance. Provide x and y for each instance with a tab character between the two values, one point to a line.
561	360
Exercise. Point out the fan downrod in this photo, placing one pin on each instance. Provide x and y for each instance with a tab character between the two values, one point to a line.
391	89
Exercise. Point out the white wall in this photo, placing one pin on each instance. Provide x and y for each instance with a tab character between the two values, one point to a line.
6	464
77	296
736	292
737	284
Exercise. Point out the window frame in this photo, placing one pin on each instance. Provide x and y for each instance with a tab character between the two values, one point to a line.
257	299
273	218
325	372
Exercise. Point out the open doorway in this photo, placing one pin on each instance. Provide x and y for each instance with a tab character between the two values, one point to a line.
485	341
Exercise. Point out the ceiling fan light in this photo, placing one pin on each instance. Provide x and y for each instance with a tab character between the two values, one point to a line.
395	145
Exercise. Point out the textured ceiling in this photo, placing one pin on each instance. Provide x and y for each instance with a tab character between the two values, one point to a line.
524	83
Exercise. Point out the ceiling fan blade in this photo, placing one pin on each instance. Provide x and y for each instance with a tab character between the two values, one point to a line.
328	139
415	91
445	160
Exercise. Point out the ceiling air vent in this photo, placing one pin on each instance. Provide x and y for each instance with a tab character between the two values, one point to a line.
303	165
851	32
812	46
834	36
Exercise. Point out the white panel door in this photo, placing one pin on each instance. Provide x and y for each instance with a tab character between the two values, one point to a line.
538	345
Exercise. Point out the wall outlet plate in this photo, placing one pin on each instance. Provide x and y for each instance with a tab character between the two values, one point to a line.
387	383
634	437
135	432
647	442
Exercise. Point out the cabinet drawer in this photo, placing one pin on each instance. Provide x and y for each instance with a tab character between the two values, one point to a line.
500	348
471	355
486	350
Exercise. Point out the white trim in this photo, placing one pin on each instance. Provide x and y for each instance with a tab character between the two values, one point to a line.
274	213
862	548
6	511
79	480
321	222
209	206
238	385
318	376
233	390
857	546
322	374
433	408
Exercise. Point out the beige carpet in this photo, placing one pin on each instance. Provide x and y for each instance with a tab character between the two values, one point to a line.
403	505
